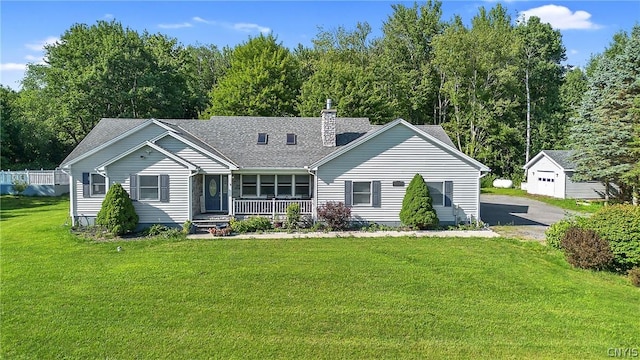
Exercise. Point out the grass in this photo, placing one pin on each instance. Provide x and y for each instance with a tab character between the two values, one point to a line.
63	297
569	204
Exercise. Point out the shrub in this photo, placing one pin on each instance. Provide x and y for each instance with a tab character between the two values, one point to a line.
620	226
252	224
117	213
337	216
634	276
585	249
187	227
293	216
417	206
557	230
162	231
19	186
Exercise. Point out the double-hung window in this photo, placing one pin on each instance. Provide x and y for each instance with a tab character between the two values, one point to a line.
302	185
268	186
441	192
284	185
149	187
361	193
98	185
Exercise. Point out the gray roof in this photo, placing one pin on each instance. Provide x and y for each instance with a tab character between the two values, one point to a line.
235	137
562	157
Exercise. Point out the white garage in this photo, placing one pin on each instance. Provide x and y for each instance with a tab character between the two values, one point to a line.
550	173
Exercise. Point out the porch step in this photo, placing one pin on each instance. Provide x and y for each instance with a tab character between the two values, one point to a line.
209	221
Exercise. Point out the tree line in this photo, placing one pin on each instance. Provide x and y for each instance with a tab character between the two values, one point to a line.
497	85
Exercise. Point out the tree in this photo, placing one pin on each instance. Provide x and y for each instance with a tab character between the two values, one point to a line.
417	206
606	131
105	70
405	61
541	52
262	80
117	213
340	69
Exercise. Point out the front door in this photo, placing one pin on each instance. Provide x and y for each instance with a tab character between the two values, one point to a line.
215	193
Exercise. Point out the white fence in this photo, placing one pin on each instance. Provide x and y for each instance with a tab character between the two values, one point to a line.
35	177
271	207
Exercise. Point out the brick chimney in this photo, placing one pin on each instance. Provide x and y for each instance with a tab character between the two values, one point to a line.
328	125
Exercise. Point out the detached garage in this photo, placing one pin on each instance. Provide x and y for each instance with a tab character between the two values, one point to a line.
550	173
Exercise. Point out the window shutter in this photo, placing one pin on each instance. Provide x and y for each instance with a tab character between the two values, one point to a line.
448	193
133	187
376	194
164	188
86	186
348	192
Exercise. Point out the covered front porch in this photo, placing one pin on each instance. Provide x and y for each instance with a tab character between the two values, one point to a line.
243	195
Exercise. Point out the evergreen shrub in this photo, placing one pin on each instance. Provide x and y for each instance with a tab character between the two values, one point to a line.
117	213
417	206
620	226
585	249
293	216
336	215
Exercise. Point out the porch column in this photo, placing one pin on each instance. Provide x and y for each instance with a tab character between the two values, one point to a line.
230	194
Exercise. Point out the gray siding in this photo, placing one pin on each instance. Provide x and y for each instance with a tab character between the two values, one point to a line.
397	155
583	190
193	156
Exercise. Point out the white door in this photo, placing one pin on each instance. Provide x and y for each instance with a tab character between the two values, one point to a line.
546	183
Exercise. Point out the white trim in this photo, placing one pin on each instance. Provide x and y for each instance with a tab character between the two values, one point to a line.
148	187
116	139
167	153
230	164
293	184
391	125
271	171
540	155
106	185
370	203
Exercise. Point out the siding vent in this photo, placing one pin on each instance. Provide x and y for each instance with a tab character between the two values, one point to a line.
291	139
262	138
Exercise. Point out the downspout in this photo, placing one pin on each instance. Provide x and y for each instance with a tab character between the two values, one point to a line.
72	196
190	190
479	191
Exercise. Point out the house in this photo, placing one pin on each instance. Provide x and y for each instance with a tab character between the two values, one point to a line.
178	170
551	172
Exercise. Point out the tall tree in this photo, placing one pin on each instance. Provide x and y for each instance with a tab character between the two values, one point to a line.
479	78
541	52
341	69
606	129
262	80
105	70
405	62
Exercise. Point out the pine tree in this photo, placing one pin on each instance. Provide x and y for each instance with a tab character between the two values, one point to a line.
417	206
117	213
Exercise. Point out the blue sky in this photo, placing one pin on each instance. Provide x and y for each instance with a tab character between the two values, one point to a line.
25	26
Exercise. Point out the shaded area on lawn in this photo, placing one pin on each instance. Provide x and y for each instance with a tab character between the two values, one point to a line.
10	203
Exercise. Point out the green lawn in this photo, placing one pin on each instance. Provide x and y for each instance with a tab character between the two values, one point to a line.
569	204
299	298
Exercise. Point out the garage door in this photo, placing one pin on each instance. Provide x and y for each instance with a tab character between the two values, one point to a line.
546	183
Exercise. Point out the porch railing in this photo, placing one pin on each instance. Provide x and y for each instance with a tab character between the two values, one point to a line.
271	207
35	177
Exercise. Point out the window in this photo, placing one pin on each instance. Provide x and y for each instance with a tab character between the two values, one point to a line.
268	185
249	185
149	187
284	185
291	139
302	185
98	184
361	193
437	193
262	138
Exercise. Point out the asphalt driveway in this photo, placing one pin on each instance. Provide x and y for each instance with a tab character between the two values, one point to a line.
519	217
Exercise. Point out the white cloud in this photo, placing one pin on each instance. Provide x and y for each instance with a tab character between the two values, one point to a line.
175	26
561	17
244	27
39	45
108	16
251	28
573	51
13	67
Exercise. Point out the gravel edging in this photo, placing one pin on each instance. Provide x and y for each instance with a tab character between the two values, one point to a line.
362	234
